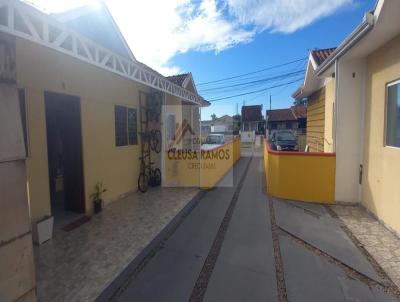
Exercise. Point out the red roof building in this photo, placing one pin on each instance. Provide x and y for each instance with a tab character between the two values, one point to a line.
293	118
252	119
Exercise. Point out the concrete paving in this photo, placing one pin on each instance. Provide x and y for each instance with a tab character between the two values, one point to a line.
310	277
172	273
324	233
243	266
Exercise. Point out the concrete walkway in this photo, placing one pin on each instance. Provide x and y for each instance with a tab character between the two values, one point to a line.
78	265
239	245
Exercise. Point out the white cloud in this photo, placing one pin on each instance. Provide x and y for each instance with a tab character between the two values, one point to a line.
284	16
157	30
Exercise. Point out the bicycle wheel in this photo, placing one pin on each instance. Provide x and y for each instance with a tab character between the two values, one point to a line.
143	182
155	142
157	177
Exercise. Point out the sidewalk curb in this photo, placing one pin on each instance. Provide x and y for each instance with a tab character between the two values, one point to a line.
112	289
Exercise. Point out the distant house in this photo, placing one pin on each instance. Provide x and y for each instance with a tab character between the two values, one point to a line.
180	113
252	119
294	118
225	123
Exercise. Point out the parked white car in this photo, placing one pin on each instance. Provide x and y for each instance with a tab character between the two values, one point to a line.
213	141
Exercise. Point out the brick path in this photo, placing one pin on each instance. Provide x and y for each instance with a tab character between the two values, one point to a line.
377	240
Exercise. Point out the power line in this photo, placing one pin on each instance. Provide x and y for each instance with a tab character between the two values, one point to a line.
248	88
256	91
253	72
298	72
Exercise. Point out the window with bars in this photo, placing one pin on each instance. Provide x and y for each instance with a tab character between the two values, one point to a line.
125	126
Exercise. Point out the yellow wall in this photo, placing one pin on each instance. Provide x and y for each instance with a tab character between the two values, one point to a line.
210	177
329	104
41	69
299	176
37	168
316	121
380	188
174	107
198	171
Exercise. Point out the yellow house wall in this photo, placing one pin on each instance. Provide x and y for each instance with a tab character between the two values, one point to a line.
380	189
316	121
174	106
200	171
41	69
329	101
37	168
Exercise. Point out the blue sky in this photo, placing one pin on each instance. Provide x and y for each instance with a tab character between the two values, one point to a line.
216	39
269	49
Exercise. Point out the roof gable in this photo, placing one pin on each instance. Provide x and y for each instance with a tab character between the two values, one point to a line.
299	111
320	55
288	114
96	23
178	79
280	115
185	80
311	82
252	113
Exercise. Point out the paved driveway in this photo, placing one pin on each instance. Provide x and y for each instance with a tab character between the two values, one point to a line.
239	245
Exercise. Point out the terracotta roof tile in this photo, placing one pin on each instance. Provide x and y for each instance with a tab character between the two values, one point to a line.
289	114
252	113
178	79
279	115
299	111
320	55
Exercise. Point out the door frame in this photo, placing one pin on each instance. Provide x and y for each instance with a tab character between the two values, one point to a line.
47	94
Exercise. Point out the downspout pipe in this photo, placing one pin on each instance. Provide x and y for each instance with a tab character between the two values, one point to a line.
336	104
361	30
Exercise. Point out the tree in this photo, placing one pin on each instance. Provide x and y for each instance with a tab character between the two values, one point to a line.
236	122
213	116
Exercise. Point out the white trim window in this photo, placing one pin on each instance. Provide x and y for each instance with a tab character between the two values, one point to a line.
125	126
393	115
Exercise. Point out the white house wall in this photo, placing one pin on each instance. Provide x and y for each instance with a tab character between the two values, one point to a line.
349	132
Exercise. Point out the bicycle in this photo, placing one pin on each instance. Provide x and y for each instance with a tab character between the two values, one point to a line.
148	176
154	139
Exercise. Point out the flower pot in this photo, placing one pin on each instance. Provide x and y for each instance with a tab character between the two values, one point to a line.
43	230
98	206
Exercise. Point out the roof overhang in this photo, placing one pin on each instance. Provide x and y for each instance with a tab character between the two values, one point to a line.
311	83
44	30
377	28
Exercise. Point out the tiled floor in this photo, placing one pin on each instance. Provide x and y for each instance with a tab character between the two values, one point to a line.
377	240
78	265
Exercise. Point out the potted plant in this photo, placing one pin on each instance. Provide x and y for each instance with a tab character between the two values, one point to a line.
96	197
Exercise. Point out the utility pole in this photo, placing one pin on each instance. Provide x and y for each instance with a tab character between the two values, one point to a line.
270	102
